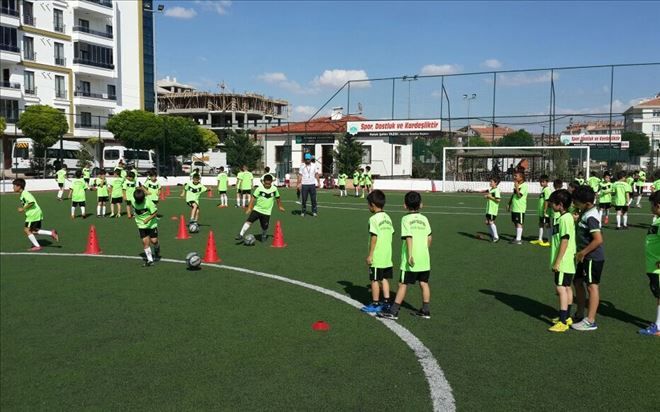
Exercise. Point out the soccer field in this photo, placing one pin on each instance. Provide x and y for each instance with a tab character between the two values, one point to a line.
103	332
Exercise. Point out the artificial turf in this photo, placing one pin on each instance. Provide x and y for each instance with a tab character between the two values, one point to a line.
96	333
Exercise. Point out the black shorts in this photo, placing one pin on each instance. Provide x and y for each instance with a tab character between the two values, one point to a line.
150	233
605	206
638	190
86	180
491	217
129	203
81	204
410	278
544	220
589	271
654	284
264	220
192	202
222	192
624	209
380	273
342	187
34	226
246	191
563	279
117	200
102	199
517	218
363	186
155	202
60	185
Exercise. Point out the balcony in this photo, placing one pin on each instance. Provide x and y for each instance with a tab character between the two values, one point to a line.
87	62
9	85
29	55
104	3
60	28
11	90
10	48
9	12
89	99
95	95
87	30
31	91
102	8
30	20
61	94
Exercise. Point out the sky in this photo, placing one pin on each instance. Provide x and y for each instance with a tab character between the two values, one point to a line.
304	51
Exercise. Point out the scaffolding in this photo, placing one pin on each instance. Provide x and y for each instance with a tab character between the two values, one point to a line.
194	101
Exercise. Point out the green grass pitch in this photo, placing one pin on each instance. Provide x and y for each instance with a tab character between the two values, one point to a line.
98	333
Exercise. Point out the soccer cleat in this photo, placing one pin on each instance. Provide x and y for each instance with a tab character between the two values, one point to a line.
264	236
497	239
372	308
148	263
34	249
618	228
559	327
112	215
515	242
315	214
55	236
239	238
387	315
536	242
652	330
569	321
545	244
422	314
584	325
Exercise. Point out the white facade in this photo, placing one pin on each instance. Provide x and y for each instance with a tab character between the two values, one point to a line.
645	117
83	57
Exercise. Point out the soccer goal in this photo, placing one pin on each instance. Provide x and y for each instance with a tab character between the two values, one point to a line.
468	169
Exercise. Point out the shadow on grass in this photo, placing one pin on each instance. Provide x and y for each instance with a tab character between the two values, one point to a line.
477	236
523	304
363	293
48	243
609	310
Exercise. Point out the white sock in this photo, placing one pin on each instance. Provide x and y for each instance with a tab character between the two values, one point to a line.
493	229
147	252
238	201
82	209
98	210
625	219
45	232
73	211
654	218
541	234
657	320
618	220
103	210
245	228
60	193
519	231
639	198
33	239
602	213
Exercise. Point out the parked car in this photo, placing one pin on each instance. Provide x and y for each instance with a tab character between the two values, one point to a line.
204	169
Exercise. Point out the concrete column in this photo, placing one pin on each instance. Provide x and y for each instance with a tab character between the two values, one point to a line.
209	120
233	120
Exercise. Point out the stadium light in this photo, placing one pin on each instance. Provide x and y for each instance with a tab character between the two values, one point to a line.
469	98
409	79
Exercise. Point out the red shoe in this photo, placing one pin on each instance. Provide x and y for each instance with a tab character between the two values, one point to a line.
55	236
34	249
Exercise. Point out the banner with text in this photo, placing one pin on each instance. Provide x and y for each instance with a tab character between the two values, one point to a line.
590	139
383	128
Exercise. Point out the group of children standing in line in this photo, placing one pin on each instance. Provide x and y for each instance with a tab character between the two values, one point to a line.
362	180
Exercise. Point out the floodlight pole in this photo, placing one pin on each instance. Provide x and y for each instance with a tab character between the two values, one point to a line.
469	98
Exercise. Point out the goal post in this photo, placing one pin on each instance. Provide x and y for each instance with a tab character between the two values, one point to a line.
467	169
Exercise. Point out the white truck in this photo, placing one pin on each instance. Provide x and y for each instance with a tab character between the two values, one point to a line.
24	161
143	160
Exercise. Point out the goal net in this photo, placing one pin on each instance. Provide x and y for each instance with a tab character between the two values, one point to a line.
467	169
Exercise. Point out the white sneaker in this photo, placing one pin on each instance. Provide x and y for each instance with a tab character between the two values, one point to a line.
584	325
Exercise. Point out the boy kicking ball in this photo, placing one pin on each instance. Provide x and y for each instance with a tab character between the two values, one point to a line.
415	258
147	222
653	263
261	207
193	191
33	216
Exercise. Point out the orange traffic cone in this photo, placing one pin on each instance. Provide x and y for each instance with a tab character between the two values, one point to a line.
162	195
278	236
167	191
433	189
208	193
183	230
92	243
211	255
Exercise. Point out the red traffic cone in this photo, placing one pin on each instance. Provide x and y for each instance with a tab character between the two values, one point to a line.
161	196
278	237
167	191
92	243
211	255
183	230
209	193
433	189
320	325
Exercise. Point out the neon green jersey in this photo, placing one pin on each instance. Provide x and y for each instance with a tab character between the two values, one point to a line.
417	227
652	248
619	189
116	186
101	187
519	203
493	207
78	186
61	175
143	211
642	178
368	179
153	188
656	185
356	177
222	181
580	181
129	187
194	191
246	182
86	173
594	183
380	225
605	192
341	179
264	199
543	197
33	213
564	228
630	180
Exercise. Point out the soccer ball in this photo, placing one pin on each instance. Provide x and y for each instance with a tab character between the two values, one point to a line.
193	227
249	240
193	261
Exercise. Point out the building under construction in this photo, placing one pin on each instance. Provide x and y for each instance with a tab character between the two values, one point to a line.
220	111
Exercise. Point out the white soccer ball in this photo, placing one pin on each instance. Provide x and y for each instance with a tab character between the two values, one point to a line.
249	240
193	261
193	227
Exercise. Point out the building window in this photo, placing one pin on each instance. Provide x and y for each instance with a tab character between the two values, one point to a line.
60	89
28	48
28	14
656	113
28	82
112	91
85	119
9	7
58	20
280	155
59	54
93	55
366	156
9	110
397	155
83	23
656	128
8	39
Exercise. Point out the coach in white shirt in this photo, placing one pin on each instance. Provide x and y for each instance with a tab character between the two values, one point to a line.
308	181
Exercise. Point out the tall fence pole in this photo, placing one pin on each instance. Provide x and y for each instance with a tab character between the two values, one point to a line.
609	160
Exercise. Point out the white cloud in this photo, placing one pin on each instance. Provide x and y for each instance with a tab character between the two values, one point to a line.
271	78
220	7
279	79
440	69
180	12
302	112
338	77
492	64
617	107
522	79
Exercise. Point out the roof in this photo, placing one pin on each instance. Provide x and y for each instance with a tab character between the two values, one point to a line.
650	103
318	125
486	131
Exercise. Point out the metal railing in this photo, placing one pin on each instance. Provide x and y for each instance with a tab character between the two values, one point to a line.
32	91
80	93
60	61
10	48
86	125
27	55
104	3
87	62
60	94
29	20
59	28
93	32
9	85
9	12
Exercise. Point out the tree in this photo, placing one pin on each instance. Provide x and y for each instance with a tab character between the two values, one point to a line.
241	150
348	155
478	141
209	138
44	125
639	143
181	136
137	129
518	138
3	126
85	156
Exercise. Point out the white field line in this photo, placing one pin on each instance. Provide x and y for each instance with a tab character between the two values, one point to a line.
441	393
